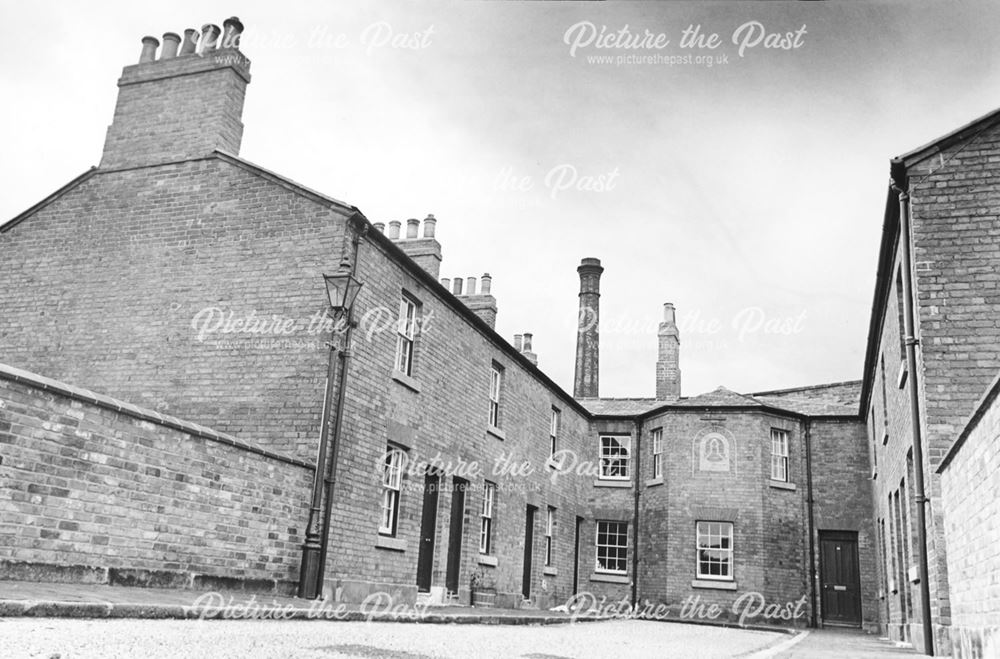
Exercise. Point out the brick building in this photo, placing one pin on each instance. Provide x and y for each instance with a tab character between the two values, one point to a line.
942	273
166	365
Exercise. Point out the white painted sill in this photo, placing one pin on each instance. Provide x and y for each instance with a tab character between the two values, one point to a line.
488	560
607	482
652	482
901	378
550	571
782	485
711	584
393	544
406	381
496	432
610	578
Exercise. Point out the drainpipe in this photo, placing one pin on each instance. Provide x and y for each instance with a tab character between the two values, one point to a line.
811	522
918	452
331	469
635	512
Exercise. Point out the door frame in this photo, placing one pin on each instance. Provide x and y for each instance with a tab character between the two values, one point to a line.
529	549
848	537
456	534
426	541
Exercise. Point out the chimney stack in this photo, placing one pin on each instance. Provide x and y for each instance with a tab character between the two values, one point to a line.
426	250
586	379
527	352
482	304
181	106
668	373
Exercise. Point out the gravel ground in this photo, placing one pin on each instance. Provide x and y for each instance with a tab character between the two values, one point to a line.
77	639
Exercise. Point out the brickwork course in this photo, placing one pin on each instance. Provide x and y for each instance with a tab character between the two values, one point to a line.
955	257
165	351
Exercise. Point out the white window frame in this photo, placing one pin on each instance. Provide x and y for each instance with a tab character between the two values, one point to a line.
392	479
620	550
496	388
607	458
554	431
707	532
779	455
486	518
405	332
657	437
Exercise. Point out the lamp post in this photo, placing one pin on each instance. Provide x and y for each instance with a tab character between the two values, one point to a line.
341	289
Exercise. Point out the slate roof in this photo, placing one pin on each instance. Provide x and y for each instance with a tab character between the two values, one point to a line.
837	399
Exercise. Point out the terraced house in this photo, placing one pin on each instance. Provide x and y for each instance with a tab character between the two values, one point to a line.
177	408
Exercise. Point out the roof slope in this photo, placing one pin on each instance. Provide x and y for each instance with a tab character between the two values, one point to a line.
836	399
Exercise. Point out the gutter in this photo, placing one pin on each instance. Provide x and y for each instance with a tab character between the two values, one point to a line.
900	186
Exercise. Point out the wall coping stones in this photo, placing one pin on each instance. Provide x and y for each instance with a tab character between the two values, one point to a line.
14	374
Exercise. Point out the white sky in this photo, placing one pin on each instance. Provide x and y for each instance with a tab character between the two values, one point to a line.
747	193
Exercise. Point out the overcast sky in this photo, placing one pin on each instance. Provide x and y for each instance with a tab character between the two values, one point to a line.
749	193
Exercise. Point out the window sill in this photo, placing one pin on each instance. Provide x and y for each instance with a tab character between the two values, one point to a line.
393	544
496	432
488	560
711	584
610	578
885	438
407	381
607	482
654	481
874	474
782	485
901	378
914	574
550	571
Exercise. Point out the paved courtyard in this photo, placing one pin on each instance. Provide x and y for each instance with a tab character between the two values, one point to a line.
50	638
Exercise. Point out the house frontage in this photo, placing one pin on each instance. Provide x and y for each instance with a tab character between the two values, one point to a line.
170	372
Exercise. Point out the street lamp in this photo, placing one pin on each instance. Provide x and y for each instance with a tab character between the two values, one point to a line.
341	289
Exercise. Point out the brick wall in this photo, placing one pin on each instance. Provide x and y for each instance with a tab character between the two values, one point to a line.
970	477
441	409
102	286
955	229
841	487
99	491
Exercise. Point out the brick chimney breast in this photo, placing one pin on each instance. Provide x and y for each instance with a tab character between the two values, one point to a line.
668	372
183	105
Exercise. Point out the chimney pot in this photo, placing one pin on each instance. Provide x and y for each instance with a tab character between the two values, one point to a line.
668	313
171	42
517	342
430	223
457	290
233	30
394	229
379	226
470	285
149	45
209	37
527	341
486	283
190	41
446	282
412	228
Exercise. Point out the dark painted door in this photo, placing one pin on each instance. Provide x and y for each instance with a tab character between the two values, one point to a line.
529	543
455	532
576	556
428	524
840	578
